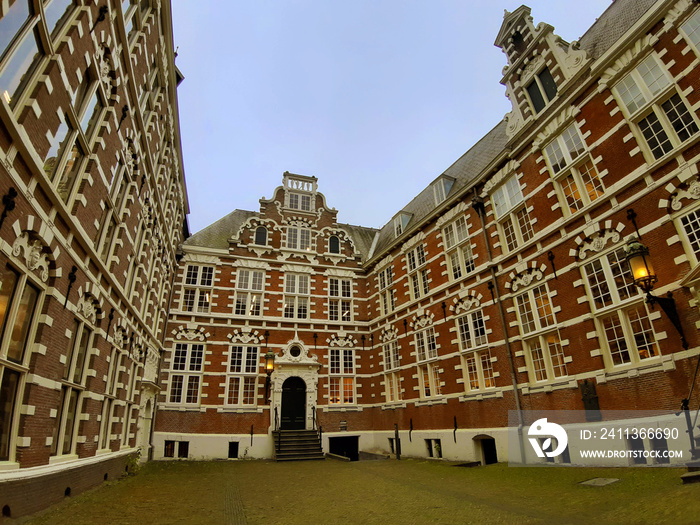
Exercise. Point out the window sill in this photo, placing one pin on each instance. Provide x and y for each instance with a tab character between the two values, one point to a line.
53	460
549	386
431	401
240	410
347	408
8	465
652	364
180	408
394	405
479	395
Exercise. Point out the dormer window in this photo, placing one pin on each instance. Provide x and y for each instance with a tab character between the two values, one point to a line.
441	189
541	90
400	223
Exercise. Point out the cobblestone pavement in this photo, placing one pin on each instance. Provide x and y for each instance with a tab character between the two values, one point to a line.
382	492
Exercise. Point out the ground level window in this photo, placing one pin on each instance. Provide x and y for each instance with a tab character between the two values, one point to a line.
169	451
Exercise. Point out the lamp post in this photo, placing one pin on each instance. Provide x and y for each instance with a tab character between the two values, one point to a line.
645	278
269	368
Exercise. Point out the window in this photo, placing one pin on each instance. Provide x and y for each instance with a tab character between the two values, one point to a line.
691	226
546	359
135	15
64	157
621	315
241	385
573	169
458	248
418	276
73	380
426	346
534	309
261	236
298	238
510	210
541	90
386	292
18	304
110	396
691	28
441	188
296	296
333	244
186	373
341	382
477	365
339	301
660	113
428	370
197	292
400	223
392	378
300	201
249	287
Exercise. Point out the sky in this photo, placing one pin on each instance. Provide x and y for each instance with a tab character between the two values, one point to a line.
376	98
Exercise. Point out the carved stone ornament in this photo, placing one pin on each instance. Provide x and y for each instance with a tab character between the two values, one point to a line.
464	305
525	279
190	334
505	172
692	192
103	65
246	336
119	337
422	320
33	254
455	212
341	339
388	334
531	68
87	307
598	243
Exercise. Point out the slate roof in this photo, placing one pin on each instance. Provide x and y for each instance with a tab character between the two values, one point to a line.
217	234
610	26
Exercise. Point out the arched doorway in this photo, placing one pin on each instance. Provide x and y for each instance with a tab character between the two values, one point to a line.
486	448
293	404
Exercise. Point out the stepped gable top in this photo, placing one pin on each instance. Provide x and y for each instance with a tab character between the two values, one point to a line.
217	234
614	22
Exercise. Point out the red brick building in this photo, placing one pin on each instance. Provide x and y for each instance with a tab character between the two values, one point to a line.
503	286
93	208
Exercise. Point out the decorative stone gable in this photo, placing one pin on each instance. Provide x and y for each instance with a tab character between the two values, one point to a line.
531	50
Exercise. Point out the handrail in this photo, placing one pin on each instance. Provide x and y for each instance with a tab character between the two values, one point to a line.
313	418
277	420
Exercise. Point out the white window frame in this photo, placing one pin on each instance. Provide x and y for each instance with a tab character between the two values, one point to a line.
297	296
546	360
250	285
418	274
242	375
620	314
198	286
187	363
341	376
577	179
340	303
535	310
298	239
511	212
642	94
387	299
458	248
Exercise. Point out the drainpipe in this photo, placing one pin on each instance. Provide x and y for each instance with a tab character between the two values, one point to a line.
478	205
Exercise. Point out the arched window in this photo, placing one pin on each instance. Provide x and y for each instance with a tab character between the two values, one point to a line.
261	236
334	244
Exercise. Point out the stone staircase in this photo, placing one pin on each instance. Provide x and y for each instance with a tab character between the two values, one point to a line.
297	445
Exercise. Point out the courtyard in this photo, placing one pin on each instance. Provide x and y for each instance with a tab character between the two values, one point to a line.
385	491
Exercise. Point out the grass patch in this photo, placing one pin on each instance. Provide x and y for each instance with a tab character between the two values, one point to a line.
406	491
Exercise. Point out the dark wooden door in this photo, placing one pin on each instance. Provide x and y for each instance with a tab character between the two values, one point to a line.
293	404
